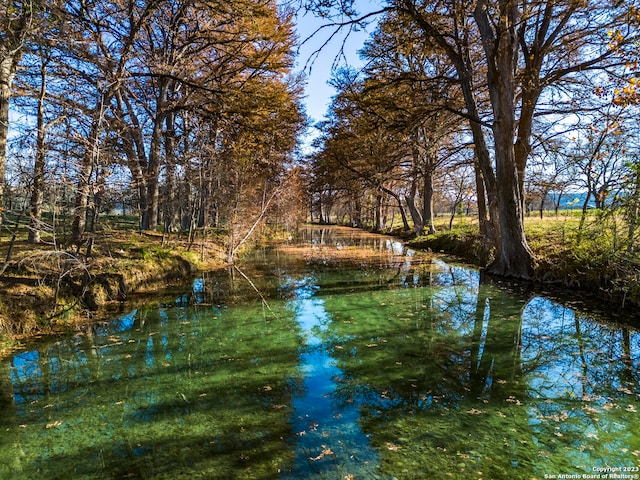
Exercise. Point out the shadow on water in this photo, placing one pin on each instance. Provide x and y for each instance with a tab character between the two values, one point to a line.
342	356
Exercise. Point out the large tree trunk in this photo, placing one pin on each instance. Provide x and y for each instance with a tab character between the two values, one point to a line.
418	221
485	175
427	201
418	225
150	214
489	235
514	258
158	138
522	147
357	210
170	182
85	170
37	189
460	57
135	151
7	74
377	217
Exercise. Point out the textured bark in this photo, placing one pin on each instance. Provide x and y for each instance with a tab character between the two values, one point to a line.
427	201
7	74
424	165
418	224
459	55
514	258
415	214
487	232
485	175
150	214
357	211
500	44
170	182
134	149
377	216
37	189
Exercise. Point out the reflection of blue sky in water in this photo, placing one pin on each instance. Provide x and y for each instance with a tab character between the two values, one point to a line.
328	437
513	385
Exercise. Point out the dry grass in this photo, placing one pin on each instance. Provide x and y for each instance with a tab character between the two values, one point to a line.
47	287
595	257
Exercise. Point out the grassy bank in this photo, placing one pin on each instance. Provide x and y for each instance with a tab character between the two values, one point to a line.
593	257
55	286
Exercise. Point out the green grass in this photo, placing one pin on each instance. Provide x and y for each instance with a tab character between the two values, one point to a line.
52	284
595	257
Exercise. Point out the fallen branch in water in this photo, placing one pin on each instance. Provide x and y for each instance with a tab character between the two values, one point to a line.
264	300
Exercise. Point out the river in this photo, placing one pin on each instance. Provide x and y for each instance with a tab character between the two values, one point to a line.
340	356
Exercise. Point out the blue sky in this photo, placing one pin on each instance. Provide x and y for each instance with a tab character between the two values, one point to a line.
318	71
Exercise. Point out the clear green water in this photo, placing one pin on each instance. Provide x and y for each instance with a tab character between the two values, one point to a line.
309	367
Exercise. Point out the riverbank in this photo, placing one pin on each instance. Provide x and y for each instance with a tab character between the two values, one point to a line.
337	354
591	258
48	290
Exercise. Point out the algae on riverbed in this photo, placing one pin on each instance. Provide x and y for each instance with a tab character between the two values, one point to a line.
386	365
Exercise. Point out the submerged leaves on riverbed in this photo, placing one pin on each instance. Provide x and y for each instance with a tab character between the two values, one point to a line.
404	367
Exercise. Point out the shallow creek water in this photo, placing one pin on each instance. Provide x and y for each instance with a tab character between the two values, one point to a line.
342	356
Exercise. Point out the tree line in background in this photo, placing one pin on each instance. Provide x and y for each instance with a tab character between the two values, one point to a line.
492	105
187	113
183	111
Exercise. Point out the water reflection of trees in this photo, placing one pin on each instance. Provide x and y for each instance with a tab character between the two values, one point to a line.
177	389
272	275
452	376
586	387
475	377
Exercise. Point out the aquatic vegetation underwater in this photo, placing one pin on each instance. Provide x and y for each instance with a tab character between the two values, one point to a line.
390	366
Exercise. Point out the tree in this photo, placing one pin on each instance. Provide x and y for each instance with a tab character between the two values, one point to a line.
601	156
360	154
99	62
255	157
517	51
632	204
18	22
37	189
549	173
411	87
189	104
